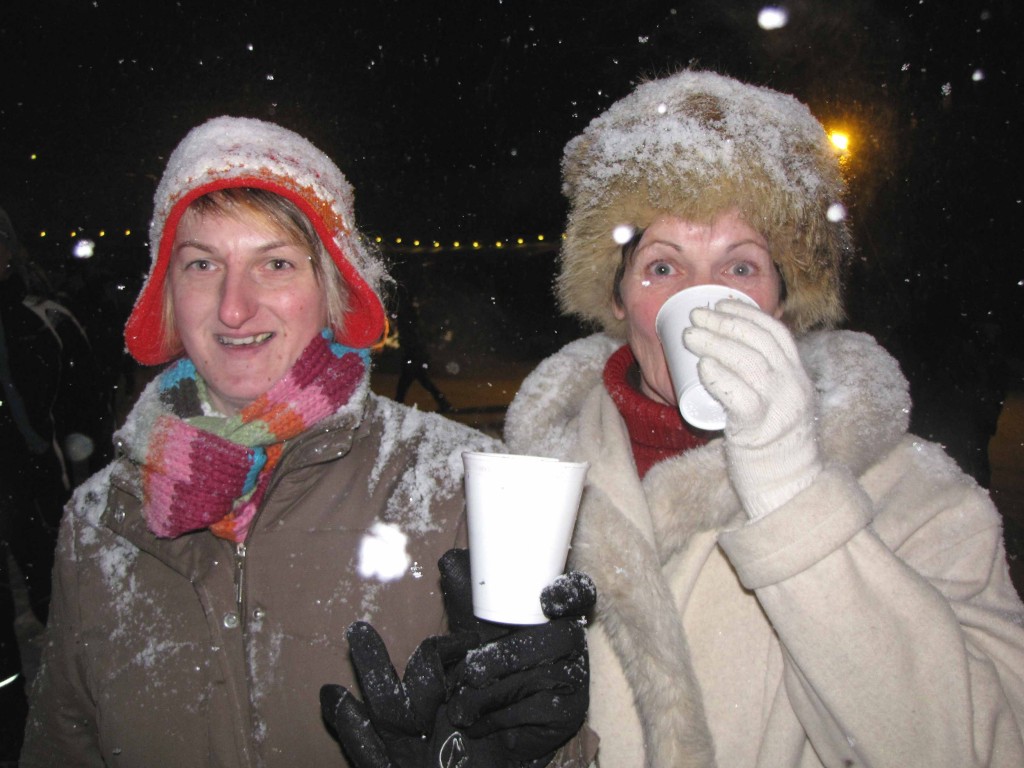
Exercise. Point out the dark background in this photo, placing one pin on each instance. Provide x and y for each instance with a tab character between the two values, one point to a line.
450	118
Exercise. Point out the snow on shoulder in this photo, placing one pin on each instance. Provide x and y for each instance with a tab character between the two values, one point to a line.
434	472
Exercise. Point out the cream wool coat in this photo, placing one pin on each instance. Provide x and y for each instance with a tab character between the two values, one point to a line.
870	621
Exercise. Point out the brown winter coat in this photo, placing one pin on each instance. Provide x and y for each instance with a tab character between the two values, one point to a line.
181	652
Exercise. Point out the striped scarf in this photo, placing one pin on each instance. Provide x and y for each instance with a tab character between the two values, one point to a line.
209	471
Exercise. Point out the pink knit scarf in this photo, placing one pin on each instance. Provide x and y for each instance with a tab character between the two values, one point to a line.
212	471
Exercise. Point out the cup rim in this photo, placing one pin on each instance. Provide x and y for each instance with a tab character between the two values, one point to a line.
511	457
723	291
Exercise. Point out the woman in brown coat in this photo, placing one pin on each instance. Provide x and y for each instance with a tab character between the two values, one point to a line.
263	499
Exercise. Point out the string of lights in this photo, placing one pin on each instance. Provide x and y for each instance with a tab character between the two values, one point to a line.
83	242
414	245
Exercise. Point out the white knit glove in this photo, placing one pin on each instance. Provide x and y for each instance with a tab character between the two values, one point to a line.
749	362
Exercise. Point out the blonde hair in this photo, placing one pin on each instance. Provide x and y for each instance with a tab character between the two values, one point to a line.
282	215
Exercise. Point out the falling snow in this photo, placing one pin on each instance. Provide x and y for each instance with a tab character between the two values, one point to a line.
772	17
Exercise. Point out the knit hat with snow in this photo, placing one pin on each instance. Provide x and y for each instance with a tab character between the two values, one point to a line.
229	152
694	145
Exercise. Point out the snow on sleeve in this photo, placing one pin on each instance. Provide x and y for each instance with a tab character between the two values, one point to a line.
90	497
115	560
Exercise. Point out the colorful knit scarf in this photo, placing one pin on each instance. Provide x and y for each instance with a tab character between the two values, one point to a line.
211	471
656	431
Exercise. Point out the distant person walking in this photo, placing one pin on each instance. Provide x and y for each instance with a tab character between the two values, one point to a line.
415	359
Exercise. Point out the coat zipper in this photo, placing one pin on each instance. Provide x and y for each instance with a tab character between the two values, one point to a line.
240	550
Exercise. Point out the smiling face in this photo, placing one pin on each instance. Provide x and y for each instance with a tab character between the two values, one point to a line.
673	255
245	303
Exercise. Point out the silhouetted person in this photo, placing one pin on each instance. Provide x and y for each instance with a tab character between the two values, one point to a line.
42	350
415	360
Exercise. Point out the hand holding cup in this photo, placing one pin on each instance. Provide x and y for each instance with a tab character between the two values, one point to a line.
521	512
699	407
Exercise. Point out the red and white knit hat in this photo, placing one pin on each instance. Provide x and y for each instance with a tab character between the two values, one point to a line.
229	152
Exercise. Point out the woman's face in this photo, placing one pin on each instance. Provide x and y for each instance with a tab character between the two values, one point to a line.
673	255
245	303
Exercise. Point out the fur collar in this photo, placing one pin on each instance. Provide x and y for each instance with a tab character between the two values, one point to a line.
863	408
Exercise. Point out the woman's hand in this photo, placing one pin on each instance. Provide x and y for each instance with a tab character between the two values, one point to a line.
749	362
485	695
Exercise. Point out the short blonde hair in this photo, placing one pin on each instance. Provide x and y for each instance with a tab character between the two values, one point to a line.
282	215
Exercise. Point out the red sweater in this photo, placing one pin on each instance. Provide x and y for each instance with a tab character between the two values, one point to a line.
656	431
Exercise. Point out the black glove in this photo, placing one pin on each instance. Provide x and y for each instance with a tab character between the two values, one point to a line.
525	688
402	723
519	694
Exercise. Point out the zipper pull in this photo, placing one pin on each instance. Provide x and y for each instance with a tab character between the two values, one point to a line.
239	574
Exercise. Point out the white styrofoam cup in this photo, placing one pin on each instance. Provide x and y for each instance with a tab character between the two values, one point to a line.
521	514
696	404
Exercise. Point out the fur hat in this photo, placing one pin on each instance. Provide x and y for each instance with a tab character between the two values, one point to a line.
229	152
694	145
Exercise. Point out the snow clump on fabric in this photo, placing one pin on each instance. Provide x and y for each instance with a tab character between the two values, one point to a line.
438	470
383	554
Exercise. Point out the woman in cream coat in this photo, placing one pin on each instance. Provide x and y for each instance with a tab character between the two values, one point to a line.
812	586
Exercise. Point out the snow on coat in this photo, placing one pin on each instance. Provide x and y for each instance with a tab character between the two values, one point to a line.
189	652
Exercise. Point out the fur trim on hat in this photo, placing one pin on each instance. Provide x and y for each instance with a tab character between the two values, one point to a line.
695	145
231	152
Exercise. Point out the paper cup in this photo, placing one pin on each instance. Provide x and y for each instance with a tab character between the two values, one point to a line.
696	404
521	512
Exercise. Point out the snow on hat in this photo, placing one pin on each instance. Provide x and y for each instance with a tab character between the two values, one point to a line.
229	152
694	145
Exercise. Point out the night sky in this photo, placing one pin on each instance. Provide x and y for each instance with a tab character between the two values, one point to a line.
450	118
